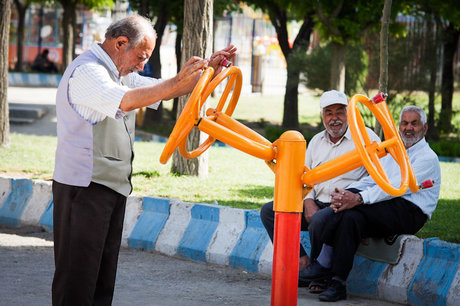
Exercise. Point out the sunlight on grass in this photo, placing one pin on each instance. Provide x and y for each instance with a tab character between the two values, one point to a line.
33	155
235	179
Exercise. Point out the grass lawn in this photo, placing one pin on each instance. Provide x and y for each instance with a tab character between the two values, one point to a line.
235	179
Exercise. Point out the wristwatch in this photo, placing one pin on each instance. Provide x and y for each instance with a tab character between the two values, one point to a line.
360	198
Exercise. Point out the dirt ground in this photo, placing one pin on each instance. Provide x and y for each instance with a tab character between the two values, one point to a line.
144	278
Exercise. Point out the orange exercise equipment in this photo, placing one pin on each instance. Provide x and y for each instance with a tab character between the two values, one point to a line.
286	158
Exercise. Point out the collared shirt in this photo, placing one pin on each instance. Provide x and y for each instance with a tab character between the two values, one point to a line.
96	90
426	166
320	150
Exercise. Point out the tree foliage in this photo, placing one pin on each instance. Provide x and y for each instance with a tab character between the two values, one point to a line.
21	8
69	21
317	73
281	13
445	18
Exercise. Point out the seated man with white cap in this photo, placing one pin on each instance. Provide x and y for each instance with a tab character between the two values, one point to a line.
334	141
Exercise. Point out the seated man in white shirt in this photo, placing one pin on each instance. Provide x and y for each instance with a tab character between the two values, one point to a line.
365	210
334	141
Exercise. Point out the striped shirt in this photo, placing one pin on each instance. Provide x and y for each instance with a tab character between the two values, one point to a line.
320	150
426	166
96	90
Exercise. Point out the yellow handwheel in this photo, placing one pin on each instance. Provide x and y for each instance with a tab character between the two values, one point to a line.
234	78
369	151
188	117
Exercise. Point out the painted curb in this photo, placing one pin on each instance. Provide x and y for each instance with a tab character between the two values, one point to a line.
231	224
432	286
13	207
395	280
428	271
155	213
33	79
202	225
251	244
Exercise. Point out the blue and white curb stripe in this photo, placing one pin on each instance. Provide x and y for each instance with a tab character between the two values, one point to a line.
33	79
395	281
428	271
132	214
155	213
197	236
231	224
446	258
172	232
46	221
17	208
251	244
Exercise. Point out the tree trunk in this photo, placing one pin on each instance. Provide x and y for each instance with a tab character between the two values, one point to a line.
383	77
74	35
337	80
20	35
432	58
301	44
450	42
5	16
178	61
154	116
67	32
197	40
291	98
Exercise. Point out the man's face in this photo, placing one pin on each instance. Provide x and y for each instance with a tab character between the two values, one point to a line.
411	128
134	59
335	120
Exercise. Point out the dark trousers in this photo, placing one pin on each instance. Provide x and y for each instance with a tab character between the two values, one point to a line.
267	215
344	230
87	226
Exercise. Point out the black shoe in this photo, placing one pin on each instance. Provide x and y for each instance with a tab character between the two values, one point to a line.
314	272
335	291
302	284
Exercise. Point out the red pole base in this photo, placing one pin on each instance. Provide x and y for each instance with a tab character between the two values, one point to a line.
286	243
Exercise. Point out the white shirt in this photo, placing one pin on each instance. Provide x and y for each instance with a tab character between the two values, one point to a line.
320	150
93	92
426	166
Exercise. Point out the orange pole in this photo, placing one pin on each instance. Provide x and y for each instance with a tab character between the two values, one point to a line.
337	166
237	127
235	140
288	208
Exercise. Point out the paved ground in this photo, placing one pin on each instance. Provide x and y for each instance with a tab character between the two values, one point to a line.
144	278
43	98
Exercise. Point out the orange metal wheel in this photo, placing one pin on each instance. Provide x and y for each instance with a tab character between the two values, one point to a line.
188	117
235	81
369	151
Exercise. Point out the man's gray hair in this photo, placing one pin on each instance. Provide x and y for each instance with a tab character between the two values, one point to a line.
415	109
134	27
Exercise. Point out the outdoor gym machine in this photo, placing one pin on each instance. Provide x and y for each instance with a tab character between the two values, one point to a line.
286	158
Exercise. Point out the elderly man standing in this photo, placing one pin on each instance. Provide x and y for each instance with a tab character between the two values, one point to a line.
334	141
95	130
365	210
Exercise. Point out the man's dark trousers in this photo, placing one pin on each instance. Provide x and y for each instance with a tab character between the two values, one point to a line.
87	226
267	215
344	230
